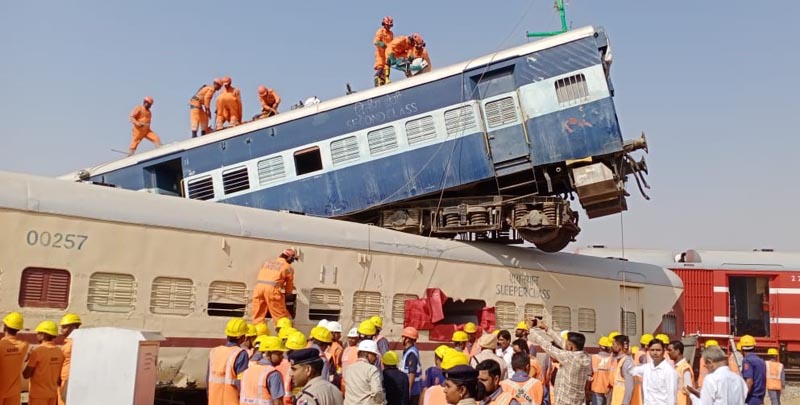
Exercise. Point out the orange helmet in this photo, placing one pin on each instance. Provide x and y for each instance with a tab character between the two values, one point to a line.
148	100
290	253
416	38
388	20
410	332
218	81
226	80
262	90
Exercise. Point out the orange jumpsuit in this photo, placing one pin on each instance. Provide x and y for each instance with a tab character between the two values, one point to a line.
386	36
400	47
335	352
200	107
67	350
144	116
229	106
12	354
267	296
47	360
269	102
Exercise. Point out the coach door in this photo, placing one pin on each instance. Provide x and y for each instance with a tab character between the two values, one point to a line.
630	312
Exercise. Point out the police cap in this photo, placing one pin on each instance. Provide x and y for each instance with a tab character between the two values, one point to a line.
461	374
304	356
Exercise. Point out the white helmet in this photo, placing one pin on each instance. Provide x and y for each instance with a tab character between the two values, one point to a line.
368	346
323	323
334	327
353	333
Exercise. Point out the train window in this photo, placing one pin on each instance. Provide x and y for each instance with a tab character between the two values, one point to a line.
325	303
235	180
562	317
628	324
44	288
501	112
172	296
420	130
506	313
587	320
669	324
307	160
572	89
399	307
111	292
381	140
201	189
367	304
227	298
344	150
459	120
270	169
533	311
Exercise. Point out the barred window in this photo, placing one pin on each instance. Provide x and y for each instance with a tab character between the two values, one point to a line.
111	292
628	323
460	120
562	318
228	299
669	324
172	296
325	303
534	310
44	288
399	307
367	304
381	140
344	150
506	313
587	320
420	130
572	89
271	169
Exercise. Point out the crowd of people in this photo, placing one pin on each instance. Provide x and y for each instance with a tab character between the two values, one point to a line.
405	53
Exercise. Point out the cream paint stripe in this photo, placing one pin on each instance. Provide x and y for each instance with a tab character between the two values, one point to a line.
720	289
784	290
721	319
786	321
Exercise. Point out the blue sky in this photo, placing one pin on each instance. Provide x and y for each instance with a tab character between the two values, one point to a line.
711	82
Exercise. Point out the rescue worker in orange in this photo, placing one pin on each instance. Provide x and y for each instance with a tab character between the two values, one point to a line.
535	367
601	372
12	356
141	117
776	377
275	277
383	37
229	104
270	100
262	382
226	364
200	107
460	339
44	366
521	385
419	52
69	323
489	375
399	50
684	370
624	391
336	349
471	348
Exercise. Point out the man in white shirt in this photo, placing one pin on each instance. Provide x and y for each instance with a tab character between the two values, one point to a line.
721	386
659	379
504	350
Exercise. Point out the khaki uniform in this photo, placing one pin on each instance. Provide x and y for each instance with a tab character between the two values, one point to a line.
319	392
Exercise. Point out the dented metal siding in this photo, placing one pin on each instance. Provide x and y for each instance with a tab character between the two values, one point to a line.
698	295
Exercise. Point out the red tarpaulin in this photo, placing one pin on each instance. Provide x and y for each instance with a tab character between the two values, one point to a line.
436	300
417	314
424	314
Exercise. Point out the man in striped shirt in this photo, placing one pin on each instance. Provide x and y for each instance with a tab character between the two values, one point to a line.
575	365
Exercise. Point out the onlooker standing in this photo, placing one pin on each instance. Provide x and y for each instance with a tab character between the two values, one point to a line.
721	386
575	366
488	345
659	380
504	349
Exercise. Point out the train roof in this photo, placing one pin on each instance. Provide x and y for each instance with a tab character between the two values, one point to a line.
84	200
338	102
756	259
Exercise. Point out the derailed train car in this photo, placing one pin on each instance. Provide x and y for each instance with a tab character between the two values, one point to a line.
183	268
489	149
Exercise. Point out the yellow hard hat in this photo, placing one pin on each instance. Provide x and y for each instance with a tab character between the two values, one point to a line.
454	358
460	336
367	328
747	342
284	333
283	323
251	330
377	321
613	334
604	341
321	334
236	327
259	341
634	349
296	341
738	345
564	334
663	338
522	325
645	339
711	342
772	351
441	351
13	320
70	319
496	332
262	329
390	358
271	344
48	327
470	327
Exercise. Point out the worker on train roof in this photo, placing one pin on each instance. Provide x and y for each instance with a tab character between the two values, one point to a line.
270	100
69	323
383	37
224	374
44	366
141	117
229	104
274	276
200	107
12	356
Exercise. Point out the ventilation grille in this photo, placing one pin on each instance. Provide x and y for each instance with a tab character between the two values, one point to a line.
506	313
270	170
562	318
534	310
572	90
366	304
669	324
235	180
324	303
344	150
420	130
628	326
399	307
587	321
172	296
111	292
382	140
201	189
501	112
459	120
44	288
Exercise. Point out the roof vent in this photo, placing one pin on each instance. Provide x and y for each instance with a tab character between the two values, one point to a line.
689	256
597	246
763	250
